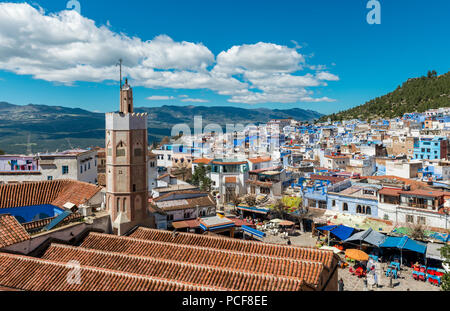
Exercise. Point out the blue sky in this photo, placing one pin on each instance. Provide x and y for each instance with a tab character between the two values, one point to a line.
362	61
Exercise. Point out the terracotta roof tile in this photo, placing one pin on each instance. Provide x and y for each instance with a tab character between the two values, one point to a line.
35	274
390	191
55	192
33	225
11	231
260	160
202	161
274	263
204	275
254	247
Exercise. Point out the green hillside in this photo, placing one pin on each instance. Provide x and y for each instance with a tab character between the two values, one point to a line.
415	95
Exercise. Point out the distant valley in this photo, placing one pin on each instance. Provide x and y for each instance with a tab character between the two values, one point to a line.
42	128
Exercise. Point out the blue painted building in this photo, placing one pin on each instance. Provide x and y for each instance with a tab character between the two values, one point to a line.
431	148
354	198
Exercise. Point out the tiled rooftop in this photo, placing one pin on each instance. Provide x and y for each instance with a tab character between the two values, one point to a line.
56	192
35	274
253	247
309	270
204	275
11	231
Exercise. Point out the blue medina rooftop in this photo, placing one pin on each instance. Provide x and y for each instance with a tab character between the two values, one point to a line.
29	202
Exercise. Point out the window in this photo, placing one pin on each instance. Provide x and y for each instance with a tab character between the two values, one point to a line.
359	209
81	169
65	170
333	203
89	165
187	215
49	177
264	190
368	210
421	220
410	219
95	162
386	217
170	217
345	207
120	150
124	207
134	187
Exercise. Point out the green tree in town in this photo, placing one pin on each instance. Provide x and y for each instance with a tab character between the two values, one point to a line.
2	152
280	208
200	177
445	253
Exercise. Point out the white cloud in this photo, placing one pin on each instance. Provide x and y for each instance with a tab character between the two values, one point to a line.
65	48
158	97
323	75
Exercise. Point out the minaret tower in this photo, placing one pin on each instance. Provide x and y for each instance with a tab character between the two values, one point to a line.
126	164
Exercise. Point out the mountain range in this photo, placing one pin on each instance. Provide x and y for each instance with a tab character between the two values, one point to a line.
40	128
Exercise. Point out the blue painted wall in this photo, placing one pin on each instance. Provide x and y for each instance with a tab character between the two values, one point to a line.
352	204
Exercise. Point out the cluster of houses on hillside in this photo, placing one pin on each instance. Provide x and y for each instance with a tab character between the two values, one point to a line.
396	170
383	174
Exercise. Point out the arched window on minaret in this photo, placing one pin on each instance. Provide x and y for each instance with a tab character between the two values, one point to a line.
120	149
124	206
118	206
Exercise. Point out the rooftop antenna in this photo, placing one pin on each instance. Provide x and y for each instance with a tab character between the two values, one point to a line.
120	65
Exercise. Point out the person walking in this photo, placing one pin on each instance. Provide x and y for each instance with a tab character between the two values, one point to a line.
391	277
375	278
341	285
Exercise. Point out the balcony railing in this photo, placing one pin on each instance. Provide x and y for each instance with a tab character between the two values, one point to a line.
421	206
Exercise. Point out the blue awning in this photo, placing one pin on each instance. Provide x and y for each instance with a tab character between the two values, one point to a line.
216	227
405	243
254	209
254	232
341	231
326	228
440	236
